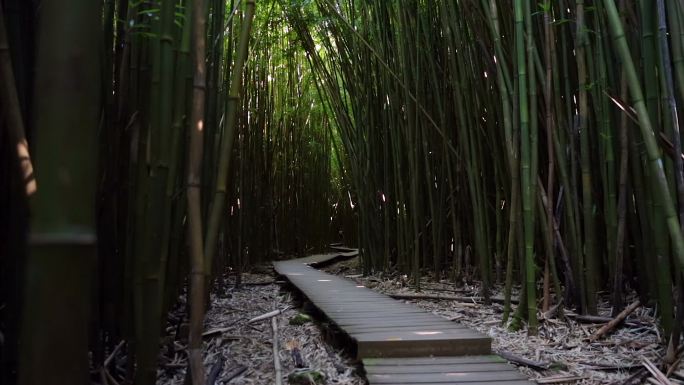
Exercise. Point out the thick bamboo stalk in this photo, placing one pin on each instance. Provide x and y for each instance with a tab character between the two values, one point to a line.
526	168
66	114
153	242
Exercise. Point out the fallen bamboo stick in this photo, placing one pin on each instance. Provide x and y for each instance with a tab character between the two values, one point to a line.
276	357
559	379
615	321
232	373
655	372
553	310
636	378
266	283
524	361
112	354
596	319
268	315
212	332
587	318
103	377
110	378
215	370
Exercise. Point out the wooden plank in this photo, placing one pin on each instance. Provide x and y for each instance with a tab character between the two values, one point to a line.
406	320
346	307
399	322
406	325
442	371
403	319
323	296
363	307
336	311
447	377
399	343
396	318
414	361
429	327
357	302
403	326
339	309
480	367
384	316
342	248
463	345
321	259
420	334
497	382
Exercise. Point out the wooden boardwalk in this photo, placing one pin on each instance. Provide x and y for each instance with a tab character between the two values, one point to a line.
399	343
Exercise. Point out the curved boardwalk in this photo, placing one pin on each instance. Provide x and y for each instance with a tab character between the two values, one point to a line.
399	343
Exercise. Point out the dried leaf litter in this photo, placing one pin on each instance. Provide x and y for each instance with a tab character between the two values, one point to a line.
249	345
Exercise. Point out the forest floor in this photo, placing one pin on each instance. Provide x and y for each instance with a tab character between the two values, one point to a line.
241	352
562	345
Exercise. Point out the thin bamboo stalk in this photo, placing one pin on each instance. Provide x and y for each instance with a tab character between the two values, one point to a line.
218	202
194	170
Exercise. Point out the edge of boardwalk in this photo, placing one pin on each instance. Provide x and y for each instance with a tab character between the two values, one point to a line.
404	344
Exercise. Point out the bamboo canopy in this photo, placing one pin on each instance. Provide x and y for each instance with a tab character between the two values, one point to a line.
150	148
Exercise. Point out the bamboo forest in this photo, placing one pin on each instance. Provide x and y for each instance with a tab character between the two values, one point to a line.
314	192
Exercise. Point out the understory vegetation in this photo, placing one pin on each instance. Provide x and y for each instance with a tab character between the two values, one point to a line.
149	147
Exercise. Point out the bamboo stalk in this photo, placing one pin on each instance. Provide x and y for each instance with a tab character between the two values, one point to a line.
645	125
10	102
63	240
276	353
526	168
216	213
193	178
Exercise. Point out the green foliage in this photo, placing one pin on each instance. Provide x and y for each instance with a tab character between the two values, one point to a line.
300	319
306	377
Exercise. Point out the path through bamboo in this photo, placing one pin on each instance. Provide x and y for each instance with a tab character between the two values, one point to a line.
397	342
